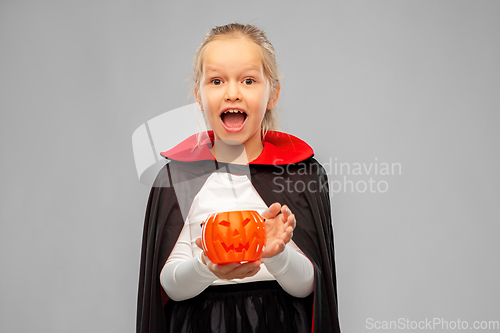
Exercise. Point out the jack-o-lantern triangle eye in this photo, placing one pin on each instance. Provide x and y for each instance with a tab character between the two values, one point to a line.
245	221
225	223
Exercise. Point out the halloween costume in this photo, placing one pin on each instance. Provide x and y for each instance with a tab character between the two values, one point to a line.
284	172
184	275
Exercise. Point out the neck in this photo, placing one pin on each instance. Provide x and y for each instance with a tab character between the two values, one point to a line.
236	152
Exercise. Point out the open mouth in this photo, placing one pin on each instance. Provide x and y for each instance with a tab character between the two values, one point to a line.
233	120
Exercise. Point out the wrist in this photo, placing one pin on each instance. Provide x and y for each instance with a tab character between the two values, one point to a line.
279	258
202	258
202	267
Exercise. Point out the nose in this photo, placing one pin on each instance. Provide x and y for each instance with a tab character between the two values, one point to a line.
232	92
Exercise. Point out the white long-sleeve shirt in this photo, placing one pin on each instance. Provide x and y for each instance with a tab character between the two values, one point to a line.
184	274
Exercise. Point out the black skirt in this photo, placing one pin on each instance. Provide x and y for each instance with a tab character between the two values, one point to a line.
254	307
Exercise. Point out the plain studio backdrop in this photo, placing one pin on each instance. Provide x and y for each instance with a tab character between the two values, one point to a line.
409	89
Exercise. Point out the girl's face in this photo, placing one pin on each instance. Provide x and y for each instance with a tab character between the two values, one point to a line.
234	92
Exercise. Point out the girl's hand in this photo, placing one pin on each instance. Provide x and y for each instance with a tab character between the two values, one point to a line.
233	270
279	229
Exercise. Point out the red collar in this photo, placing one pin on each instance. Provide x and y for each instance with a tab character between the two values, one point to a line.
279	149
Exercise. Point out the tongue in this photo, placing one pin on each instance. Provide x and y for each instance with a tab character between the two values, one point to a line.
233	119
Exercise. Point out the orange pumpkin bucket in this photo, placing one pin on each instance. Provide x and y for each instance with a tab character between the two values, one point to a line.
233	236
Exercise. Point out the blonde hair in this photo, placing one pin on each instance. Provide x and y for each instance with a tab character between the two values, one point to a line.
266	49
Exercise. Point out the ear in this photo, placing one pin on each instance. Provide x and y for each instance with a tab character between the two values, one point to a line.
198	98
274	97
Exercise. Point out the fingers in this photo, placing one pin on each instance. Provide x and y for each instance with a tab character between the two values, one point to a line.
198	242
289	225
280	247
235	270
271	211
287	235
288	219
273	248
222	269
287	214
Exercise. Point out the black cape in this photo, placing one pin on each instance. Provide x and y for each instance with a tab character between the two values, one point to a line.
302	186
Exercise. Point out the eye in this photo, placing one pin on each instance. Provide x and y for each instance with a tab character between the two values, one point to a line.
225	223
245	222
249	81
216	82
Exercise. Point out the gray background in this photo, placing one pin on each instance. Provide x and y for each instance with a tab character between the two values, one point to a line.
410	82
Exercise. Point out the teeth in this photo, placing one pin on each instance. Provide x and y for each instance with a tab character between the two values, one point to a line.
233	111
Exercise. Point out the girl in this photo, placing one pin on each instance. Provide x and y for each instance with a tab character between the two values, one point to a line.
240	165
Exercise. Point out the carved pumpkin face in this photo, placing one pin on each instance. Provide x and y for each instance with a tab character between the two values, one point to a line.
233	236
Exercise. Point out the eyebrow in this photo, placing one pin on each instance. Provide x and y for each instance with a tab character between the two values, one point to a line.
214	68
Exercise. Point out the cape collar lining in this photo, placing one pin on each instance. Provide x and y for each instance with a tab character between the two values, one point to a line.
279	149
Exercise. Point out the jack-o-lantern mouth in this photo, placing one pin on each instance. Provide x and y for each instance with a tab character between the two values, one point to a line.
239	248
